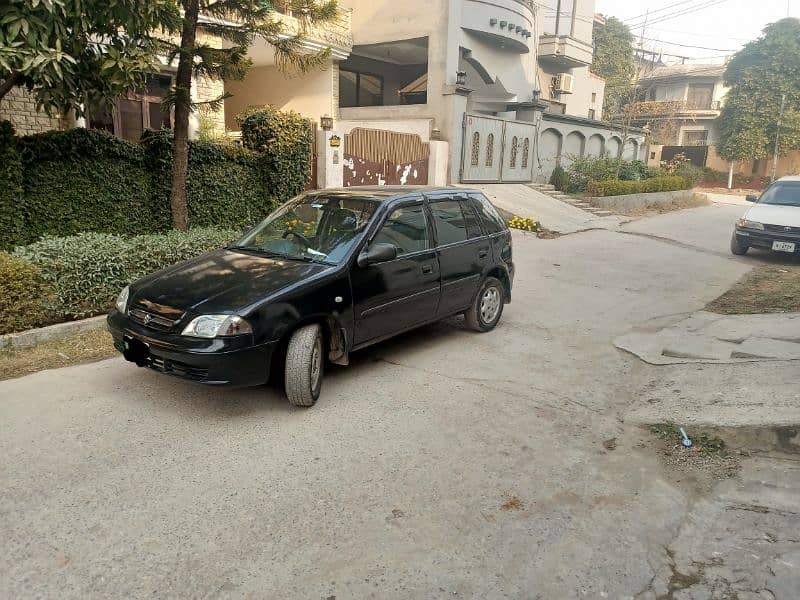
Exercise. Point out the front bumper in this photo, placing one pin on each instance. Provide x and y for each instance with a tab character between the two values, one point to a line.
758	238
213	362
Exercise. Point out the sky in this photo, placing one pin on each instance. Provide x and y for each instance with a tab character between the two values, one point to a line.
721	28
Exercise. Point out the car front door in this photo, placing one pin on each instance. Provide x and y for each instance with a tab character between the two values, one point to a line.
392	296
464	251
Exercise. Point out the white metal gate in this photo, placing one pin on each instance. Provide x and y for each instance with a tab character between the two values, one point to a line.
495	150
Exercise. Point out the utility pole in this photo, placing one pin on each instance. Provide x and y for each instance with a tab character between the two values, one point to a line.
778	138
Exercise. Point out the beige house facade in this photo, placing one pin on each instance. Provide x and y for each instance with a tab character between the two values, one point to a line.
423	91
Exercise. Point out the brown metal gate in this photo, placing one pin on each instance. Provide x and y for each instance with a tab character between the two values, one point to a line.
382	157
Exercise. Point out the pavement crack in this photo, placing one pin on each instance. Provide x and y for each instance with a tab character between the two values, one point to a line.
487	384
676	243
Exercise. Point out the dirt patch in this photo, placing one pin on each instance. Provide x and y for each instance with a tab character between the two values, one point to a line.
699	467
548	234
767	289
84	347
694	201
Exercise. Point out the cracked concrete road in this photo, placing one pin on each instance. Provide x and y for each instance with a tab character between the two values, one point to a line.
440	464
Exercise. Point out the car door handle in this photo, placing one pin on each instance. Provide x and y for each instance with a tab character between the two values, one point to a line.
427	269
483	253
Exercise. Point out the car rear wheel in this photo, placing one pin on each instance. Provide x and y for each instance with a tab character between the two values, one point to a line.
738	248
487	308
305	363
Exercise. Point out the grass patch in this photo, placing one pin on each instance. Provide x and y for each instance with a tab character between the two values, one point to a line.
768	289
84	347
693	201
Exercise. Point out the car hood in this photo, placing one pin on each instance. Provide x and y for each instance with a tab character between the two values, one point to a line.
222	281
772	214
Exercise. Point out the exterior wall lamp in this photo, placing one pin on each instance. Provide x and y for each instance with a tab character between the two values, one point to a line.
503	24
326	122
461	77
492	21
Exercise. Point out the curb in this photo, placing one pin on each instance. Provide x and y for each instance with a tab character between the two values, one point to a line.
31	337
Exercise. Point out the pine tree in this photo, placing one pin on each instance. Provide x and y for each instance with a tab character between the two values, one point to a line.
238	22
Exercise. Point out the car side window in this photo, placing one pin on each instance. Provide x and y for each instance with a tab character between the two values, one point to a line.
470	218
449	221
492	221
407	229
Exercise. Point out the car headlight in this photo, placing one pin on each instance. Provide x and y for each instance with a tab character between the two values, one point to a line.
749	224
211	326
122	299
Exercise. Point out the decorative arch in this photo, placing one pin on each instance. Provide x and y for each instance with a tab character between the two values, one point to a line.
595	145
550	145
574	146
613	147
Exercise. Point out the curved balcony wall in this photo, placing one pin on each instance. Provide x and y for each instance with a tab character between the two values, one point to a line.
508	24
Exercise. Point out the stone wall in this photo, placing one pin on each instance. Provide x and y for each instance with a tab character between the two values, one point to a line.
19	107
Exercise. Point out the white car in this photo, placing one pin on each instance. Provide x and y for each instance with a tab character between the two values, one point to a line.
774	222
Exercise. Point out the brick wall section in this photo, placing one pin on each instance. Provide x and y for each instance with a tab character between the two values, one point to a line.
19	107
211	89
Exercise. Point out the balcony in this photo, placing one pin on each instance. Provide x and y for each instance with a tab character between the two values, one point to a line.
564	52
674	109
335	34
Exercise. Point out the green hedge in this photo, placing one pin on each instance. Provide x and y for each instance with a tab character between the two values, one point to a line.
615	187
62	183
10	184
283	140
86	272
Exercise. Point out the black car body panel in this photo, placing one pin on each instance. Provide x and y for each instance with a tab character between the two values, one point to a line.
357	305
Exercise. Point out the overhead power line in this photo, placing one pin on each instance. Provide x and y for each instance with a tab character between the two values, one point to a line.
687	45
657	10
679	13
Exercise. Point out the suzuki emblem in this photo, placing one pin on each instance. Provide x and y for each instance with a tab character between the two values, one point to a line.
147	318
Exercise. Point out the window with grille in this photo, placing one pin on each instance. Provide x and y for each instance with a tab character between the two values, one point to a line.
476	142
489	149
138	110
513	162
526	147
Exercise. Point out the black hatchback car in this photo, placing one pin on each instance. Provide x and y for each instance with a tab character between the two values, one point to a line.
329	272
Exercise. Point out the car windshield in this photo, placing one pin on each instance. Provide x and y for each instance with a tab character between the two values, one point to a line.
782	193
317	227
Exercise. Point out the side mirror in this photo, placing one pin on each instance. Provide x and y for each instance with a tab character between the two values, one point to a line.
377	253
751	198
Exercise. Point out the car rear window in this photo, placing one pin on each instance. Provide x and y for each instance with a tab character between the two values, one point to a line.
449	220
492	221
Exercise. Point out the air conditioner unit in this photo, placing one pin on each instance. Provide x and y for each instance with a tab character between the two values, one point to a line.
563	83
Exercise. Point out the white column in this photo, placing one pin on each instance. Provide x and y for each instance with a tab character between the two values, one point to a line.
330	159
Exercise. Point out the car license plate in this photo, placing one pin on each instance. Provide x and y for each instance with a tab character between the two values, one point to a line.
783	246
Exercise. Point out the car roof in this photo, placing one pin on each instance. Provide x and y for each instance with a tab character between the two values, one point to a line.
384	193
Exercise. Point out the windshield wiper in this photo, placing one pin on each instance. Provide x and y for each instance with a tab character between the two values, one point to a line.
273	254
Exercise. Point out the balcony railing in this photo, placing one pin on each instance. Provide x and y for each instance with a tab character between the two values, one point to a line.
670	108
565	51
336	33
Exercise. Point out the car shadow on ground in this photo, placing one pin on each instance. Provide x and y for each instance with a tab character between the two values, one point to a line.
771	257
197	400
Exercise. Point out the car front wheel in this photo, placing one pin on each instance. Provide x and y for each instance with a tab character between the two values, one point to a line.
487	308
738	248
305	362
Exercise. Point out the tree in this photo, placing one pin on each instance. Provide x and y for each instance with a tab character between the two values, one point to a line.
758	75
613	61
72	54
237	22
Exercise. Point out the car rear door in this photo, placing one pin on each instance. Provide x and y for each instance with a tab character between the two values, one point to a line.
396	295
496	230
463	249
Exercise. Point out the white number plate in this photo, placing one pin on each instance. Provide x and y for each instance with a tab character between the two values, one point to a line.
783	246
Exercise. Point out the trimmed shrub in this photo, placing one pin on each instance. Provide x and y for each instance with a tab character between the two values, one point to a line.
10	184
88	270
616	187
24	295
691	172
559	178
283	138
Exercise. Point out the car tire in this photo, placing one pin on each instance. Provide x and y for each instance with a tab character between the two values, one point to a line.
305	365
737	247
487	308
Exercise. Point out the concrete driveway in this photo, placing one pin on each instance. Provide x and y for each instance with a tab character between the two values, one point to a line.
441	464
